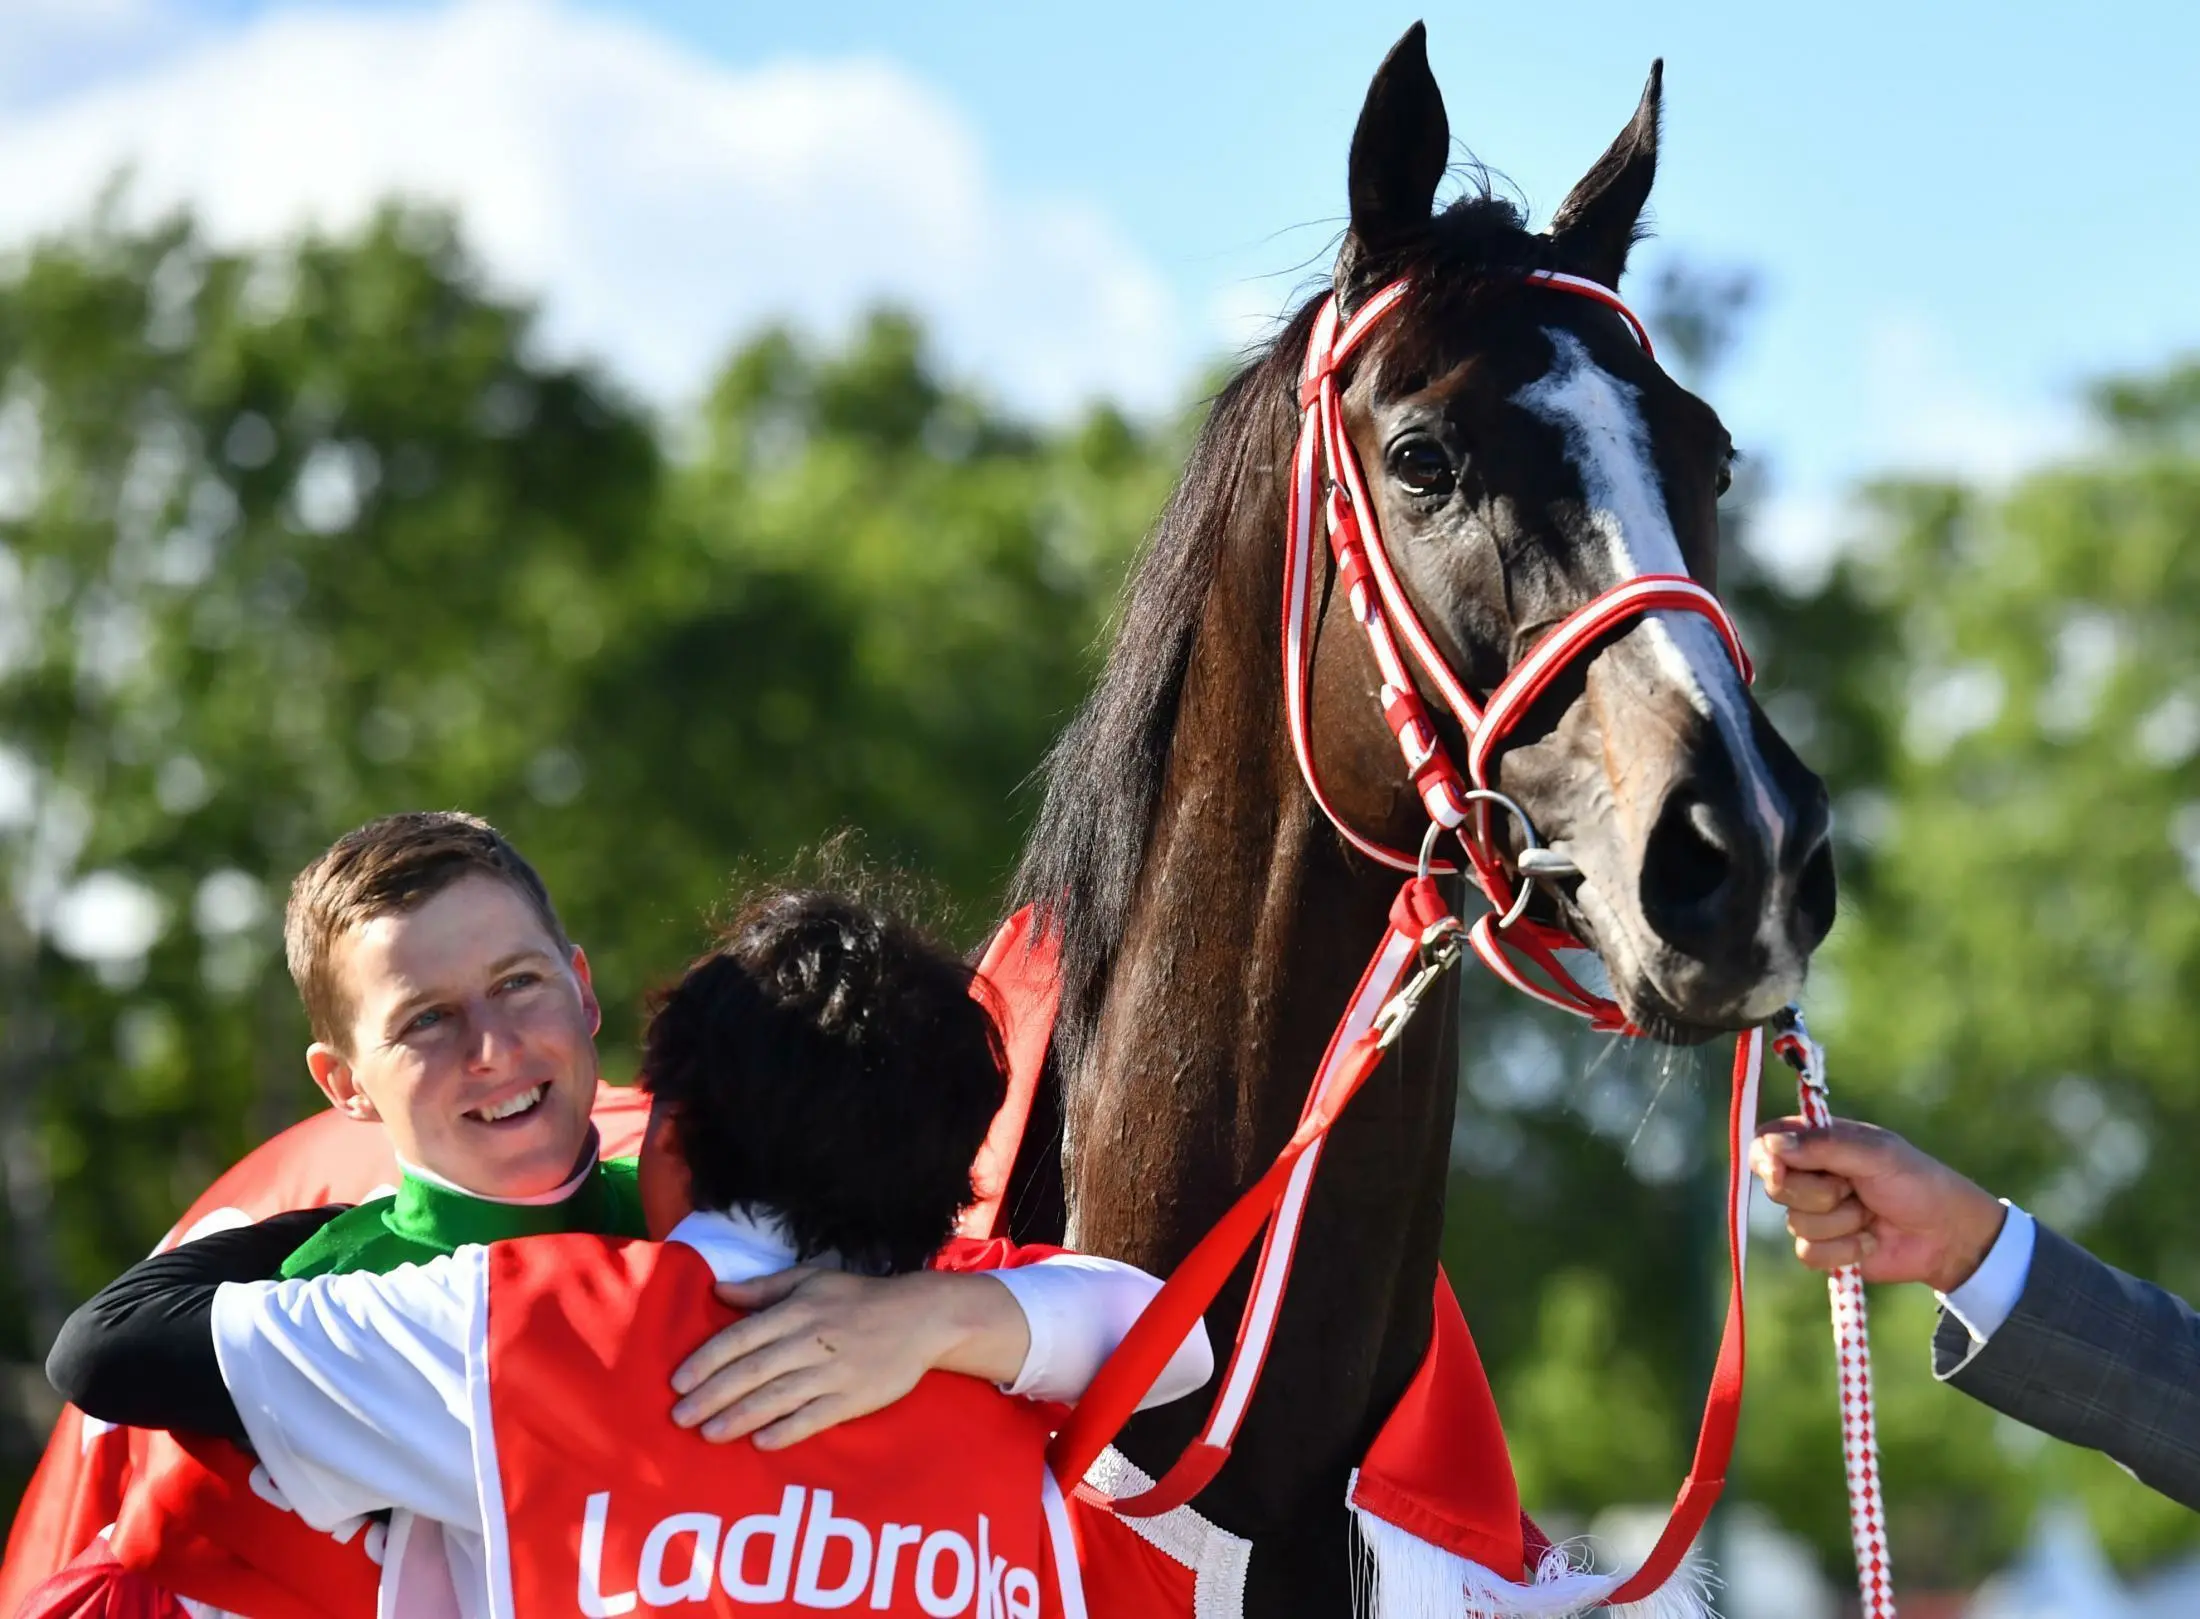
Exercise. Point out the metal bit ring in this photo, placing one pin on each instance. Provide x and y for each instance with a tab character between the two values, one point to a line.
1526	889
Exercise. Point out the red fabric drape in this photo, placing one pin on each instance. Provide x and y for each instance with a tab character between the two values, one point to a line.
78	1488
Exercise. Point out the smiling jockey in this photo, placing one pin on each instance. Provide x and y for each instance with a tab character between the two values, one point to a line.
822	1083
403	904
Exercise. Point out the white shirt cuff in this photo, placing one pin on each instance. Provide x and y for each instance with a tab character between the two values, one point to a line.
1983	1303
1078	1308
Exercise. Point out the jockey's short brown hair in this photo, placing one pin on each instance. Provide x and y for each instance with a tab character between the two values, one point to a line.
388	867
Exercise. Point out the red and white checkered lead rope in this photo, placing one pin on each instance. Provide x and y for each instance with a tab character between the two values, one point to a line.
1852	1355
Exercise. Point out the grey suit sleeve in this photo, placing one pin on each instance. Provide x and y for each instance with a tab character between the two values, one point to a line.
2095	1357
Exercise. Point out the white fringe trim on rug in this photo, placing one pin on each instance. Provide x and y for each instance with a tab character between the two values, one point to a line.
1400	1576
1218	1559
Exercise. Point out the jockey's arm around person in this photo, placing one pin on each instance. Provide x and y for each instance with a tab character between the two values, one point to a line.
820	1085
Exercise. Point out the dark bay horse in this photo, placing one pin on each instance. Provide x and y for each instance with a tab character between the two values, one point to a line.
1524	454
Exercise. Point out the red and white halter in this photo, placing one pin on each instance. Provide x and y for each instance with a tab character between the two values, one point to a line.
1423	940
1326	478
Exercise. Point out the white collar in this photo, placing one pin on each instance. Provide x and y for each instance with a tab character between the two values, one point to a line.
556	1194
743	1243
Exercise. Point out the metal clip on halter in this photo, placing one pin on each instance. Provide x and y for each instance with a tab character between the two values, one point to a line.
1440	952
1792	1041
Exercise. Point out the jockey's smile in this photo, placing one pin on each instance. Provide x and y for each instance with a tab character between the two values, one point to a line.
472	1040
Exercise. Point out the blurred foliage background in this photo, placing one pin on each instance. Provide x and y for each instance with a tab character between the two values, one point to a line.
293	539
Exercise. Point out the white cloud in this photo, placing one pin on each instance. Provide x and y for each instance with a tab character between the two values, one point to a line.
1931	416
659	203
1800	534
1249	311
1922	412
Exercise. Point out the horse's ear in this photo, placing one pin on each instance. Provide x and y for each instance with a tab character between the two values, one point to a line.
1399	150
1597	223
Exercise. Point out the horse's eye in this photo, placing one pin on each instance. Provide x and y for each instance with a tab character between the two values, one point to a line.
1421	465
1726	474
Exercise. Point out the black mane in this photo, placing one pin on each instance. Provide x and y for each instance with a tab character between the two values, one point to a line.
1104	774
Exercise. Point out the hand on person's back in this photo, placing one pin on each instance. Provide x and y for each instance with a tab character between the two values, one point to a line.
1859	1195
821	1347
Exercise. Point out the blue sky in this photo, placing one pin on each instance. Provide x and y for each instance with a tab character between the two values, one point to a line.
1958	212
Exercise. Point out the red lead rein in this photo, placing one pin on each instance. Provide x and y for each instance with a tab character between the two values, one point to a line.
1424	940
1422	943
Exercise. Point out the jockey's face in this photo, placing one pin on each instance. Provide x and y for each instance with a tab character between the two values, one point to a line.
472	1040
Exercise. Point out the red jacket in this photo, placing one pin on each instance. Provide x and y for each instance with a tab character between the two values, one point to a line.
84	1477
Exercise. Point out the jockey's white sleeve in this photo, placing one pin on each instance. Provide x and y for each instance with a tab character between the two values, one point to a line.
355	1389
1079	1307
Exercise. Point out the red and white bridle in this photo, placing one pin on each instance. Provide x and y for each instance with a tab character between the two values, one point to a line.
1326	477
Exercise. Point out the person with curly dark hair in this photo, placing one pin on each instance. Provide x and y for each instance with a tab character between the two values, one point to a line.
821	1082
826	1062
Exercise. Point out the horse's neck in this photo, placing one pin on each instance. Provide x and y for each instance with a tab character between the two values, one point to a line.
1247	937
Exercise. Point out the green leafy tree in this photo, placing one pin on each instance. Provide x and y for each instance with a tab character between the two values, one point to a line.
286	540
2011	686
872	601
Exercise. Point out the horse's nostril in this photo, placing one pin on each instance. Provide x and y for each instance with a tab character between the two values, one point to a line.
1684	867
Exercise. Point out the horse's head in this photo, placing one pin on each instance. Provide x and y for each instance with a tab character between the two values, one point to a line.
1524	454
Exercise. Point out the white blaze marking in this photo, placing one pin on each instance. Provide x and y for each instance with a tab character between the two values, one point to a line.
1609	449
